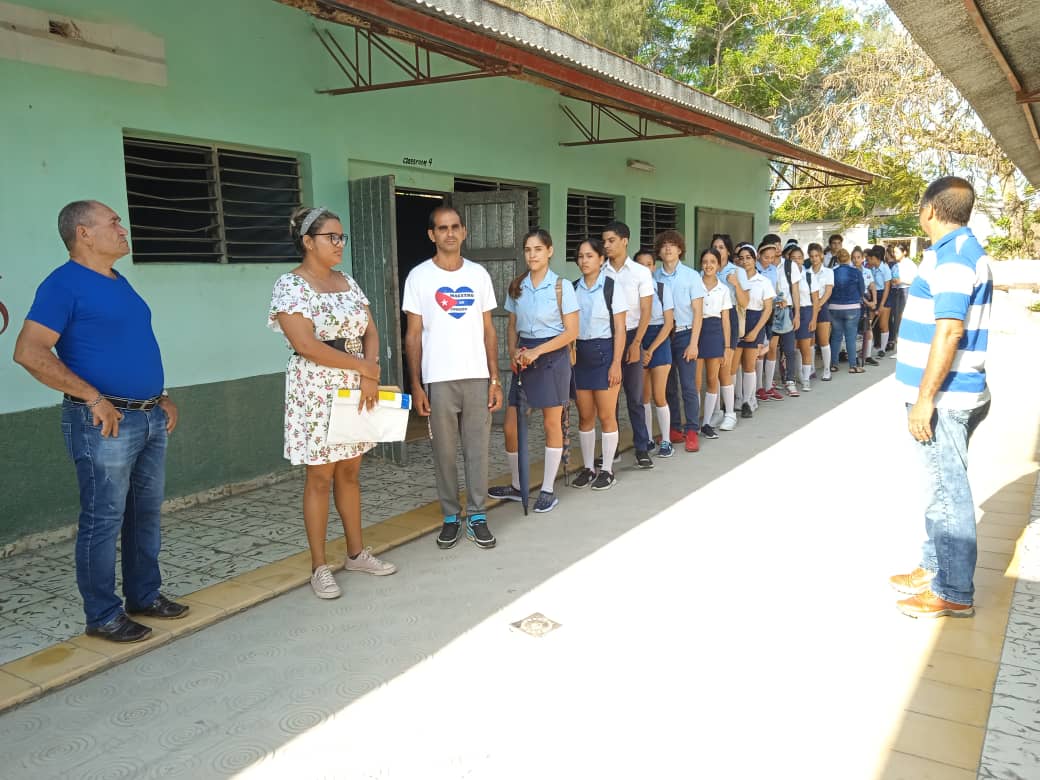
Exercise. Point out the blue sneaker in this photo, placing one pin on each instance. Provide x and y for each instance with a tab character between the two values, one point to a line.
546	502
504	493
666	450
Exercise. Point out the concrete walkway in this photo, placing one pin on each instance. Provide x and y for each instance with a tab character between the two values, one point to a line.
724	615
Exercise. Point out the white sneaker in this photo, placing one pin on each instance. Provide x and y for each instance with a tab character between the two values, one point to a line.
729	422
716	418
806	387
324	584
792	389
369	564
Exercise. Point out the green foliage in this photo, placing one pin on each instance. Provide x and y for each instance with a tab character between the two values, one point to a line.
622	26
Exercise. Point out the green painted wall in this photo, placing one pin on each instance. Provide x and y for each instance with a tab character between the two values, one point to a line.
244	72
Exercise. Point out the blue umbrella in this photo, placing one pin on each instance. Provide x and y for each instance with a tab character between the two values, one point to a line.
524	463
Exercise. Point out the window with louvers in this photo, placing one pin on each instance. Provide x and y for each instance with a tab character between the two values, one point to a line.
655	217
192	203
534	213
587	215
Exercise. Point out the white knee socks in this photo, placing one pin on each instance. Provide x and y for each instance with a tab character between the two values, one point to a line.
587	439
759	370
664	421
749	387
610	442
738	391
553	456
770	373
884	341
727	399
806	374
710	399
514	467
648	415
826	352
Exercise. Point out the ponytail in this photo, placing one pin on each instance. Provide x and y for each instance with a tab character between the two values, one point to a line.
542	235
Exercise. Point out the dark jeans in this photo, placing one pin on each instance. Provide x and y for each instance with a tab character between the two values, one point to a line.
951	548
844	324
898	304
121	484
632	382
684	374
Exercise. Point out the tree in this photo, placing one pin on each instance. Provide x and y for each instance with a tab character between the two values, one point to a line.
619	25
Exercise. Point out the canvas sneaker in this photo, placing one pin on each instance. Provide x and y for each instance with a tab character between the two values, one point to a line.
584	479
807	386
367	563
449	535
762	394
546	502
774	394
478	532
604	481
504	493
324	584
729	422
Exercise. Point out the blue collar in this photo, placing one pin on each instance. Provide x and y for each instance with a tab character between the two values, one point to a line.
550	279
951	236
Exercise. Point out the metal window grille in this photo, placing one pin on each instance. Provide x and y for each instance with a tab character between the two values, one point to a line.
193	203
534	212
587	215
655	217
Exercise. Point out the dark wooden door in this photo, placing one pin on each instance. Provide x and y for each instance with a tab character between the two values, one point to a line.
495	224
373	241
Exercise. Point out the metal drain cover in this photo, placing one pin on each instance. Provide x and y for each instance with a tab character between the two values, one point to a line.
536	625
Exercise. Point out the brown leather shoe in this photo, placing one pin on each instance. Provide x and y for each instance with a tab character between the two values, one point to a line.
928	605
913	583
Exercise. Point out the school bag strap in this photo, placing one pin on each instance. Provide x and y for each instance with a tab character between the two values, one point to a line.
608	298
559	305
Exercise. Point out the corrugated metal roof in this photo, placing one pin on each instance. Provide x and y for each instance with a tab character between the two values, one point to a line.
949	35
515	27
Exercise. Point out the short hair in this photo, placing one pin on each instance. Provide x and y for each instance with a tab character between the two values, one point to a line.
843	255
296	220
669	237
79	212
835	237
952	197
620	228
645	250
769	238
442	209
877	251
815	246
765	243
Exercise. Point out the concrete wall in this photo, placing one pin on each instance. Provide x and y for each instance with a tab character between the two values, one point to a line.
244	73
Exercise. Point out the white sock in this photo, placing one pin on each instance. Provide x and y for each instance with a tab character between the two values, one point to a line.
798	368
806	374
610	442
749	387
826	352
738	391
710	399
664	421
884	341
514	467
727	399
588	447
770	373
553	456
759	368
648	415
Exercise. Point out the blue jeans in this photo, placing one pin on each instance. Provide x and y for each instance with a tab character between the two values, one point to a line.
632	382
844	324
683	373
121	484
949	517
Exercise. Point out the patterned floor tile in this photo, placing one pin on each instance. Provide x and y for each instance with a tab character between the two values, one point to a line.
18	640
21	597
275	551
1008	757
58	619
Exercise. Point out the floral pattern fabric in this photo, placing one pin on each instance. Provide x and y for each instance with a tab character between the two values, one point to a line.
309	387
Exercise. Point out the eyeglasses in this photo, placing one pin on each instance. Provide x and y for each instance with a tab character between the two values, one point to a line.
336	239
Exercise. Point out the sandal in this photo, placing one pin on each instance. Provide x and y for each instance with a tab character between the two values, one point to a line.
857	370
834	367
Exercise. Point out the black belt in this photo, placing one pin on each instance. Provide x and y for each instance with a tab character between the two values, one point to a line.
340	344
130	404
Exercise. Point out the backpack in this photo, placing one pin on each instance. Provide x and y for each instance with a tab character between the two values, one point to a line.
608	297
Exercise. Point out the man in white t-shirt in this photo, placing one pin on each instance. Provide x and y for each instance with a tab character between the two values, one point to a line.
452	353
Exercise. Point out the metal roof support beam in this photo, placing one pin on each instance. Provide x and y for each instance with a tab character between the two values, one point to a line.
592	130
416	70
808	177
975	14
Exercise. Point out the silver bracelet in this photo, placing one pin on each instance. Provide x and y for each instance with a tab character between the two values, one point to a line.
96	401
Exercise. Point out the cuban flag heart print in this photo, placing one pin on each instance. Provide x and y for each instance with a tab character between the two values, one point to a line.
455	302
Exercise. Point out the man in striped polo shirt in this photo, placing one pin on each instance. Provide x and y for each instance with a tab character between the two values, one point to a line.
942	369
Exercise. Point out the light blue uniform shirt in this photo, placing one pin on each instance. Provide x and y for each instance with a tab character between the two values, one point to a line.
594	317
881	274
732	275
772	274
537	312
660	304
686	285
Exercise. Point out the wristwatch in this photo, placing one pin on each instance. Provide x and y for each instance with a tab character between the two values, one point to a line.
494	380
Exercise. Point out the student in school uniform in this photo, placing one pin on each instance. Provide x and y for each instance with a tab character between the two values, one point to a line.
759	310
543	322
784	325
714	341
769	266
821	285
904	271
688	296
883	281
730	273
869	307
597	369
657	359
805	333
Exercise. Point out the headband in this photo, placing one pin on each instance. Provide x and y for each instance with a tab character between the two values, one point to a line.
311	218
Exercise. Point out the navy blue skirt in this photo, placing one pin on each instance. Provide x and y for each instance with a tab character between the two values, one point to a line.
825	314
734	326
804	320
663	354
546	382
751	318
712	343
592	370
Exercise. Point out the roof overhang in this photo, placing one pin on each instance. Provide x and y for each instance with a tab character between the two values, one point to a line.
518	46
988	49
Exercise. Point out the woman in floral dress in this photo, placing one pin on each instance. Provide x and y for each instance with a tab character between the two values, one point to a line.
326	322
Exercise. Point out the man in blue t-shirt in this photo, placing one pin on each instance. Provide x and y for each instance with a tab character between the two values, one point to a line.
941	369
115	416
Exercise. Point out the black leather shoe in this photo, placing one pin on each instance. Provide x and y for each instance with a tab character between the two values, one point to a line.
162	607
121	629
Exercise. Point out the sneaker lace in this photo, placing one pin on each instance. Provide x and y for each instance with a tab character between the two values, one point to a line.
324	577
